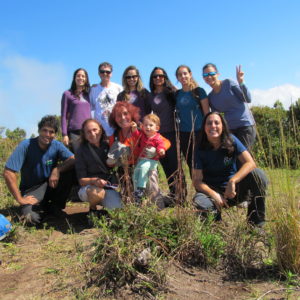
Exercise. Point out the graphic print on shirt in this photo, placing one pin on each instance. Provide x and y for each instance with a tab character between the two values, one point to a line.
106	103
157	100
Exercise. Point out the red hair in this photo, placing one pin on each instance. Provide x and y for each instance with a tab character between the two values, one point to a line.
132	110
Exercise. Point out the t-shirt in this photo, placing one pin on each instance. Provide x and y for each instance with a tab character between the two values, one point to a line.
165	109
218	166
138	99
86	164
103	100
231	101
189	110
35	163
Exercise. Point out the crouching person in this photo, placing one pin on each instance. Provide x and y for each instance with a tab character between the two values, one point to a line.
97	181
45	184
216	178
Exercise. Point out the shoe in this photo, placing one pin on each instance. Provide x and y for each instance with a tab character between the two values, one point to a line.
94	213
138	195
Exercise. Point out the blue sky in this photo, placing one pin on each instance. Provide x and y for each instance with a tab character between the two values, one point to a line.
43	42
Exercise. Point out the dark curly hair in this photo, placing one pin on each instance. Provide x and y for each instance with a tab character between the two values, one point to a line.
49	121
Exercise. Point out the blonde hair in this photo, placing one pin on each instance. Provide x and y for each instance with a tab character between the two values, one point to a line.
153	118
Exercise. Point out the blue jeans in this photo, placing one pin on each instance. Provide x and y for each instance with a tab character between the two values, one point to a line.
256	182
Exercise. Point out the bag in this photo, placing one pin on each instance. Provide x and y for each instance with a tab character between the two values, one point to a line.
5	227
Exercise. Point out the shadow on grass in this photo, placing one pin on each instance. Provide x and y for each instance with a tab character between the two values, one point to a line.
74	220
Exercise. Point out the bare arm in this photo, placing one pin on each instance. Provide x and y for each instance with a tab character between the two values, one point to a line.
205	106
55	174
202	187
11	179
93	181
248	165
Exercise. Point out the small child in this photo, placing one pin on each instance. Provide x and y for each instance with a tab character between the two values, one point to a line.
152	147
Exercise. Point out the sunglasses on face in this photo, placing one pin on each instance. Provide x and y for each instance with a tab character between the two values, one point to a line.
105	72
209	74
131	76
158	76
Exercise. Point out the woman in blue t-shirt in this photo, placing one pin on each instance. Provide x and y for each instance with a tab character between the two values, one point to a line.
191	106
231	98
216	178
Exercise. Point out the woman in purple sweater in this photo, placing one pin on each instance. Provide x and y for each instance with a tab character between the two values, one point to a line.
75	108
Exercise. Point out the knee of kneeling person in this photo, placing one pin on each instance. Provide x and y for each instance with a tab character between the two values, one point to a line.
95	194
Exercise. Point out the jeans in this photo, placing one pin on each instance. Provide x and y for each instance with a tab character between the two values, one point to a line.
256	182
50	200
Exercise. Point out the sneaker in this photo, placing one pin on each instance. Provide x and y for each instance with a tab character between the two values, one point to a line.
138	195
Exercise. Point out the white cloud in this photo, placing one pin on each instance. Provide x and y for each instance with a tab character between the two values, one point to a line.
29	89
286	93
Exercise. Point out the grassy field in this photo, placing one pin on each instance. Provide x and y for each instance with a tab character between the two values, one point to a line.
145	253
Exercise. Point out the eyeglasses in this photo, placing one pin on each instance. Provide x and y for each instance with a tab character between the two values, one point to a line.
105	72
158	76
209	74
131	76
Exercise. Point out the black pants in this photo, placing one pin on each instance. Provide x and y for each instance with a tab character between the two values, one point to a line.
188	144
170	161
49	199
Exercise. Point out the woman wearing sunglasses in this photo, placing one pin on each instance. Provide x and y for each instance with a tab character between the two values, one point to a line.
191	106
75	108
134	91
162	103
231	98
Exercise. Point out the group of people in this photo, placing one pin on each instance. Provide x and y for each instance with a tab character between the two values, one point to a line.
131	130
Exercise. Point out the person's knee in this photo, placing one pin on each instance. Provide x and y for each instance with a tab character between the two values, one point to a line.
260	177
201	201
95	194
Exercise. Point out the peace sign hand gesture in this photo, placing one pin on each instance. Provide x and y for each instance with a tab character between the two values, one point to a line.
239	74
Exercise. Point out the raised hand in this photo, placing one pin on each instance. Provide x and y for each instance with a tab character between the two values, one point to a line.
240	74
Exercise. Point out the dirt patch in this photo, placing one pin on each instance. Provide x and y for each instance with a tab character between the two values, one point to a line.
51	263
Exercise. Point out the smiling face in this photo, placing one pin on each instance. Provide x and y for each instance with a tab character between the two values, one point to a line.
150	127
132	79
213	127
92	133
123	118
158	78
184	76
211	80
80	78
105	74
46	136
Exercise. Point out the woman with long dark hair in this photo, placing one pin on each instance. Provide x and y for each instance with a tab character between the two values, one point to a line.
162	103
75	108
231	98
134	91
216	178
191	106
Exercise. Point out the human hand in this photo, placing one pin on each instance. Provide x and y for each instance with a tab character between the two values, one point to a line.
230	191
161	152
100	182
66	140
240	74
133	126
220	201
54	178
28	200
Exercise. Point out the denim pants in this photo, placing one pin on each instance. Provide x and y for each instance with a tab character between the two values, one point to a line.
256	182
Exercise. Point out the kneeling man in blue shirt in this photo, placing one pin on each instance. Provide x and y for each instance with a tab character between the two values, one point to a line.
42	162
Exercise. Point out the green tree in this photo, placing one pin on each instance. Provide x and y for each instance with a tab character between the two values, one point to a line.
16	134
